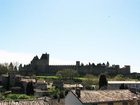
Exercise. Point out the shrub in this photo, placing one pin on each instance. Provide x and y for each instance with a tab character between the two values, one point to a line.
23	96
12	96
18	96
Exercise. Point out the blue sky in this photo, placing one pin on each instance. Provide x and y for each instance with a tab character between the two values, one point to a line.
69	30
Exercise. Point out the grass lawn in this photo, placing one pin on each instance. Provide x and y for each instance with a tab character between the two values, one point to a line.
47	77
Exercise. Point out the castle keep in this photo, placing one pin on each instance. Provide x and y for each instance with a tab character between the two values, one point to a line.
40	66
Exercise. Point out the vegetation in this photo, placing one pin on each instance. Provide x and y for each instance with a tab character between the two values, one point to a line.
7	68
120	77
67	74
87	79
30	89
103	83
89	82
56	92
3	69
17	97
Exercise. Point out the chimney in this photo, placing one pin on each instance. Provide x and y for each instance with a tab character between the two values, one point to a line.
78	92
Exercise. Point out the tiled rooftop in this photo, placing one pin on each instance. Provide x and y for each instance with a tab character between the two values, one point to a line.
105	96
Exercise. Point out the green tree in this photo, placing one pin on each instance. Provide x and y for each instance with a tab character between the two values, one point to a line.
107	64
3	69
7	86
119	77
11	67
30	88
89	82
67	73
103	83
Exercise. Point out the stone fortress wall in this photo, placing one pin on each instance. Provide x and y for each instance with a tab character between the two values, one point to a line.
41	66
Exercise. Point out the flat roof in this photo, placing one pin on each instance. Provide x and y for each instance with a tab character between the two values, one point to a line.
72	85
123	82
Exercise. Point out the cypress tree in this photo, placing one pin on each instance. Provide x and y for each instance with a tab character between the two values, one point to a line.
30	88
103	83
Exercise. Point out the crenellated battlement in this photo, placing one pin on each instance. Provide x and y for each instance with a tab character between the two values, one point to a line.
41	66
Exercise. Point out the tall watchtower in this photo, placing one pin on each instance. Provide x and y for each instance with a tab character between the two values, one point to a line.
45	58
43	64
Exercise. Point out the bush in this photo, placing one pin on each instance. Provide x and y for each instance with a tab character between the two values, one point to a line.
12	96
23	96
18	96
119	77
